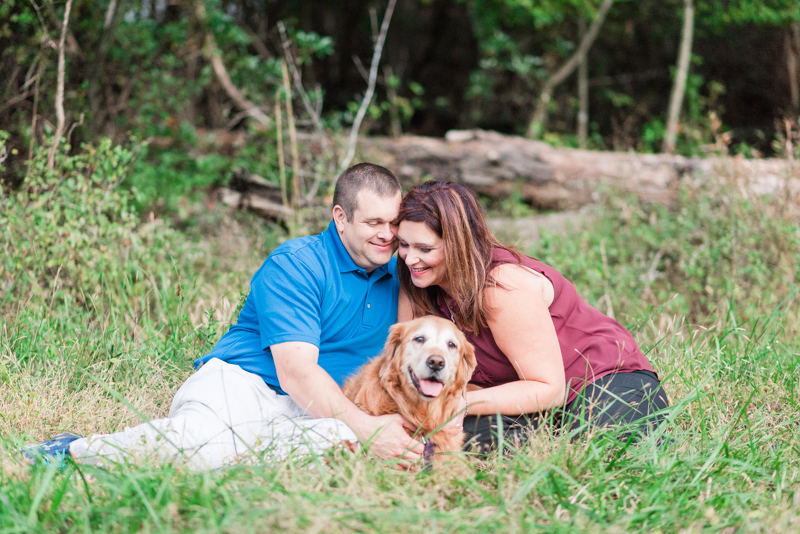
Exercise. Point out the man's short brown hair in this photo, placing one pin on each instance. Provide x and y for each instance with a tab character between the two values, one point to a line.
375	178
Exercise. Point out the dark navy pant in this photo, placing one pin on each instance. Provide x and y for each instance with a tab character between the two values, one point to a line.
634	401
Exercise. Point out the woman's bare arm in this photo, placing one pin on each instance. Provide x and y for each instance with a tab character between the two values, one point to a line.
523	329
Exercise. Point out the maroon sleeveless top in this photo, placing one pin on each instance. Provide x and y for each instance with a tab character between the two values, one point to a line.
593	345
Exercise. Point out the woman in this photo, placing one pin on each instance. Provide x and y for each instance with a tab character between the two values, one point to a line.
539	345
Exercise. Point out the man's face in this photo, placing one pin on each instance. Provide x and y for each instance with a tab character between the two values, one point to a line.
370	237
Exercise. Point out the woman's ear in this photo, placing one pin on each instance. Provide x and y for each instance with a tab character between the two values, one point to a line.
393	342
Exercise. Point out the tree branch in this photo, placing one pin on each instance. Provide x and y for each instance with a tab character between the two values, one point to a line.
214	55
583	91
47	40
298	84
73	126
60	89
791	66
373	77
678	89
287	89
15	100
536	125
35	112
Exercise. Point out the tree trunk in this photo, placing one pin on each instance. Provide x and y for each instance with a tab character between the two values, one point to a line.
583	91
214	56
679	88
380	39
196	36
97	67
539	118
792	43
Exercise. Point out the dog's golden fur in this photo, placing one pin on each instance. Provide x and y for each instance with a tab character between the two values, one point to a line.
391	382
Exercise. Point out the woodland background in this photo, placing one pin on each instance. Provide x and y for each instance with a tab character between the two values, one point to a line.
183	74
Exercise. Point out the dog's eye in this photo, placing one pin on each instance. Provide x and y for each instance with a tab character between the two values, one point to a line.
452	345
419	339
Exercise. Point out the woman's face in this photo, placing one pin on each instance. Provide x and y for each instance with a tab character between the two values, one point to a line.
423	252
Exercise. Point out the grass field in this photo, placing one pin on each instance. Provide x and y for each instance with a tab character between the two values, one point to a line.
101	328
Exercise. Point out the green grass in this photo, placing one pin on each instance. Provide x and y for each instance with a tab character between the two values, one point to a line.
709	288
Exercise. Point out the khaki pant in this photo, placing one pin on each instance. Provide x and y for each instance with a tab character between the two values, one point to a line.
221	415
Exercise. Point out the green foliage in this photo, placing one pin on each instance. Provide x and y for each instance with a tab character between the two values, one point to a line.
18	19
767	12
164	180
714	248
515	60
653	135
167	180
500	51
700	131
701	109
618	100
312	44
399	107
147	72
73	229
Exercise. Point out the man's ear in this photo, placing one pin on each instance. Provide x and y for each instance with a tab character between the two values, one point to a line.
392	347
339	218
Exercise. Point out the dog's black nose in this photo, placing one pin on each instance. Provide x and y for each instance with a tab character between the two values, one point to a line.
435	362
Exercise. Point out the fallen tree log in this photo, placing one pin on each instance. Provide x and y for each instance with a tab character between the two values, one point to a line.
257	194
494	164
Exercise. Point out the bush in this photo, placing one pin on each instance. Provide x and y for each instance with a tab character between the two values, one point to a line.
73	228
713	247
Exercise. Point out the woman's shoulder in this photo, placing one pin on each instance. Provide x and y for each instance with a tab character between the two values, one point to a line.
509	277
501	256
510	273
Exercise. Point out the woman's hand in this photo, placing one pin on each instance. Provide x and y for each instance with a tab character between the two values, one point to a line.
457	422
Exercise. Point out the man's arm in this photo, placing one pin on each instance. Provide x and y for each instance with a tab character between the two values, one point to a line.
313	389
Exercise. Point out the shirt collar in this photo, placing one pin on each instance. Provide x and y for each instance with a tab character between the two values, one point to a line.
343	260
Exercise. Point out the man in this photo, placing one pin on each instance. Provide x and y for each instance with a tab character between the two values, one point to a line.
318	308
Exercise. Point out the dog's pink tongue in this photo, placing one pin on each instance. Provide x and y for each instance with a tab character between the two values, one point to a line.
430	388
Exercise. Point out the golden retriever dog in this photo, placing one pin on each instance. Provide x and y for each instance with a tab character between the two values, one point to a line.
422	375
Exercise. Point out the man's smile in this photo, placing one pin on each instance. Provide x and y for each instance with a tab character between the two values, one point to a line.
382	246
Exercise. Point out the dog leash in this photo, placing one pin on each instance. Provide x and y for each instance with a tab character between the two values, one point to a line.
427	455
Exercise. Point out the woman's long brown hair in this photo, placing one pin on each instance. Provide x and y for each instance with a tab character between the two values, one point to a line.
453	213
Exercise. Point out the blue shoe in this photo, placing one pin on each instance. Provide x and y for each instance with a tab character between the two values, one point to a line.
52	451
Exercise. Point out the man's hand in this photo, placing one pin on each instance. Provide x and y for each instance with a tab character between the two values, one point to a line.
386	438
316	392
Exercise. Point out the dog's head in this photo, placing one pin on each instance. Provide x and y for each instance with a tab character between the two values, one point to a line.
427	357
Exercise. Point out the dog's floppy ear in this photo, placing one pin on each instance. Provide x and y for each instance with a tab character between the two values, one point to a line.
393	342
468	361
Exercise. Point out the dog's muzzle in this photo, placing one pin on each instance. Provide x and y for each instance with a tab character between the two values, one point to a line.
430	387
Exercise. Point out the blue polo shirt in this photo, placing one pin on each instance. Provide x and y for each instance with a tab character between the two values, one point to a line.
310	289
